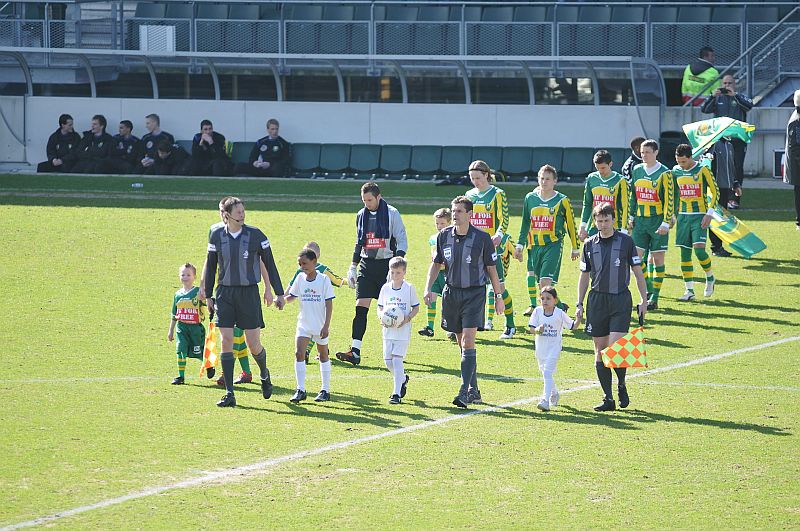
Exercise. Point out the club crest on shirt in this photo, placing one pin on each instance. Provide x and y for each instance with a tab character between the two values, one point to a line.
468	259
263	147
245	254
448	253
616	262
275	147
149	144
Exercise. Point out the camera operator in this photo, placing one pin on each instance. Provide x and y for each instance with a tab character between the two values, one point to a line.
725	101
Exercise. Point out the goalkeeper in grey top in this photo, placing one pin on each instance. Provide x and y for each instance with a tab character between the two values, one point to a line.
380	236
469	257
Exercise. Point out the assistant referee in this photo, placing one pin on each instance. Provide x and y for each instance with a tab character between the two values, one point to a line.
237	249
607	260
469	257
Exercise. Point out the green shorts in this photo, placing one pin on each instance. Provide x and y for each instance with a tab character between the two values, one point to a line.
438	284
544	261
191	340
689	230
644	234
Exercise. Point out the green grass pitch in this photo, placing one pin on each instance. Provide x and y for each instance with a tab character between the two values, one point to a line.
89	267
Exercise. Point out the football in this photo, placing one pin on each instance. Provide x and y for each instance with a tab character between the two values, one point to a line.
392	317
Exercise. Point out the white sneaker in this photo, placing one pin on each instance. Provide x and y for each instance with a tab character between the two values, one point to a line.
489	325
709	288
509	333
544	405
688	296
554	398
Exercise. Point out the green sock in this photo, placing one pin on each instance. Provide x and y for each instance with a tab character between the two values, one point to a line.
244	361
660	272
705	262
509	311
491	304
687	271
647	279
432	314
532	287
181	364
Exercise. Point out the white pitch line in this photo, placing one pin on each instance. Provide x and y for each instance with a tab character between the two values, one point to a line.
232	474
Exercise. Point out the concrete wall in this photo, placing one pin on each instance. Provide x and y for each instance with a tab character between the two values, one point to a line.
375	123
12	129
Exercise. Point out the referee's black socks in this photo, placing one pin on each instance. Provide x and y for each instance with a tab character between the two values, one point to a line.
469	365
621	376
360	322
227	360
604	375
261	360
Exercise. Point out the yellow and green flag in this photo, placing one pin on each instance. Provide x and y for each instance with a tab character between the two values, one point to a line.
627	351
735	233
211	350
705	133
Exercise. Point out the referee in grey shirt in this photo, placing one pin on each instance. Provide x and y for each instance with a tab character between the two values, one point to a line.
607	260
469	257
237	249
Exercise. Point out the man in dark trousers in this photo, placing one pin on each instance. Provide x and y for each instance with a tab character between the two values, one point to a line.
95	147
236	249
607	260
208	153
271	156
791	169
380	236
725	101
61	148
122	159
146	155
171	159
469	257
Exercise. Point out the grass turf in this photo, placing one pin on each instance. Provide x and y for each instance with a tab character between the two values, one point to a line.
89	274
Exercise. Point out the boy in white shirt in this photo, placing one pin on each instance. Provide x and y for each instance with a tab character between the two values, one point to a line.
547	322
399	293
315	292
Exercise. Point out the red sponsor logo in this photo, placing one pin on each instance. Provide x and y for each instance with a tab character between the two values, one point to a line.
481	220
543	223
601	198
188	315
373	242
647	195
690	191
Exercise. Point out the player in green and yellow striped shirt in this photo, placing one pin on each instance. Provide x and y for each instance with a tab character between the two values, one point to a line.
546	217
603	186
696	193
651	213
490	214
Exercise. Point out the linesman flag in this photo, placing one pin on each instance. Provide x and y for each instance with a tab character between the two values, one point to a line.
211	350
735	233
627	351
703	134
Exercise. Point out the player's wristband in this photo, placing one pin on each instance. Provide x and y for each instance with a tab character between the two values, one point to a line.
710	212
519	247
583	225
664	225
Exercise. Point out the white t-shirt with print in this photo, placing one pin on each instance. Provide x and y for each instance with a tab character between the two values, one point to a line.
405	298
548	343
312	296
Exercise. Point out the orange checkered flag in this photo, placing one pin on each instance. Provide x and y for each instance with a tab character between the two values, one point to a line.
627	351
211	350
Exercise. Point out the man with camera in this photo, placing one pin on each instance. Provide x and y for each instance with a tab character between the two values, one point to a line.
725	101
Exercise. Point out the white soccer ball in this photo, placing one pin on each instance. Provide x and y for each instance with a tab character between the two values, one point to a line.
392	317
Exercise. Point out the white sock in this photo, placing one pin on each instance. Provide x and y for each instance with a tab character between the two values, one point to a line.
549	384
357	344
325	373
300	374
399	374
389	365
689	285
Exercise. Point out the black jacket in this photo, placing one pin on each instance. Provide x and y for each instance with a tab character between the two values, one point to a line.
735	107
276	152
173	164
149	144
202	151
125	148
94	147
64	147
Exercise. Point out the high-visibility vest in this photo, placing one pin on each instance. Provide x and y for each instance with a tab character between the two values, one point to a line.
692	84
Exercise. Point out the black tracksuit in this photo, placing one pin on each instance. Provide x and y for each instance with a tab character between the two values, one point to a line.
62	147
122	158
92	150
210	159
278	152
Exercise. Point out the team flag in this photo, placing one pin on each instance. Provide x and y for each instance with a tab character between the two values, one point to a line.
627	351
735	233
211	350
705	133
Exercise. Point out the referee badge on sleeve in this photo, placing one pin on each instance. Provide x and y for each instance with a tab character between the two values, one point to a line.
212	248
265	244
583	266
636	260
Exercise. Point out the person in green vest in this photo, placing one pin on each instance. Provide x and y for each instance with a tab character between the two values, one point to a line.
697	75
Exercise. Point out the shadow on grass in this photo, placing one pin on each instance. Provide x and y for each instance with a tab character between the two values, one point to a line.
771	265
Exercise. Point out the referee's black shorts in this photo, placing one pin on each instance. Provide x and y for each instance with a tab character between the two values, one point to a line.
372	275
607	312
462	308
239	306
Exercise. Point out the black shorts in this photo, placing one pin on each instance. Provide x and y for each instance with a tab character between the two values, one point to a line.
462	308
239	306
372	275
606	313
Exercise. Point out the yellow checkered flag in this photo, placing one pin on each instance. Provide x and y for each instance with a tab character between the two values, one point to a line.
627	351
211	350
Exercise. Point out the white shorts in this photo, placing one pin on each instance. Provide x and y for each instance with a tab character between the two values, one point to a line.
393	348
302	332
547	362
